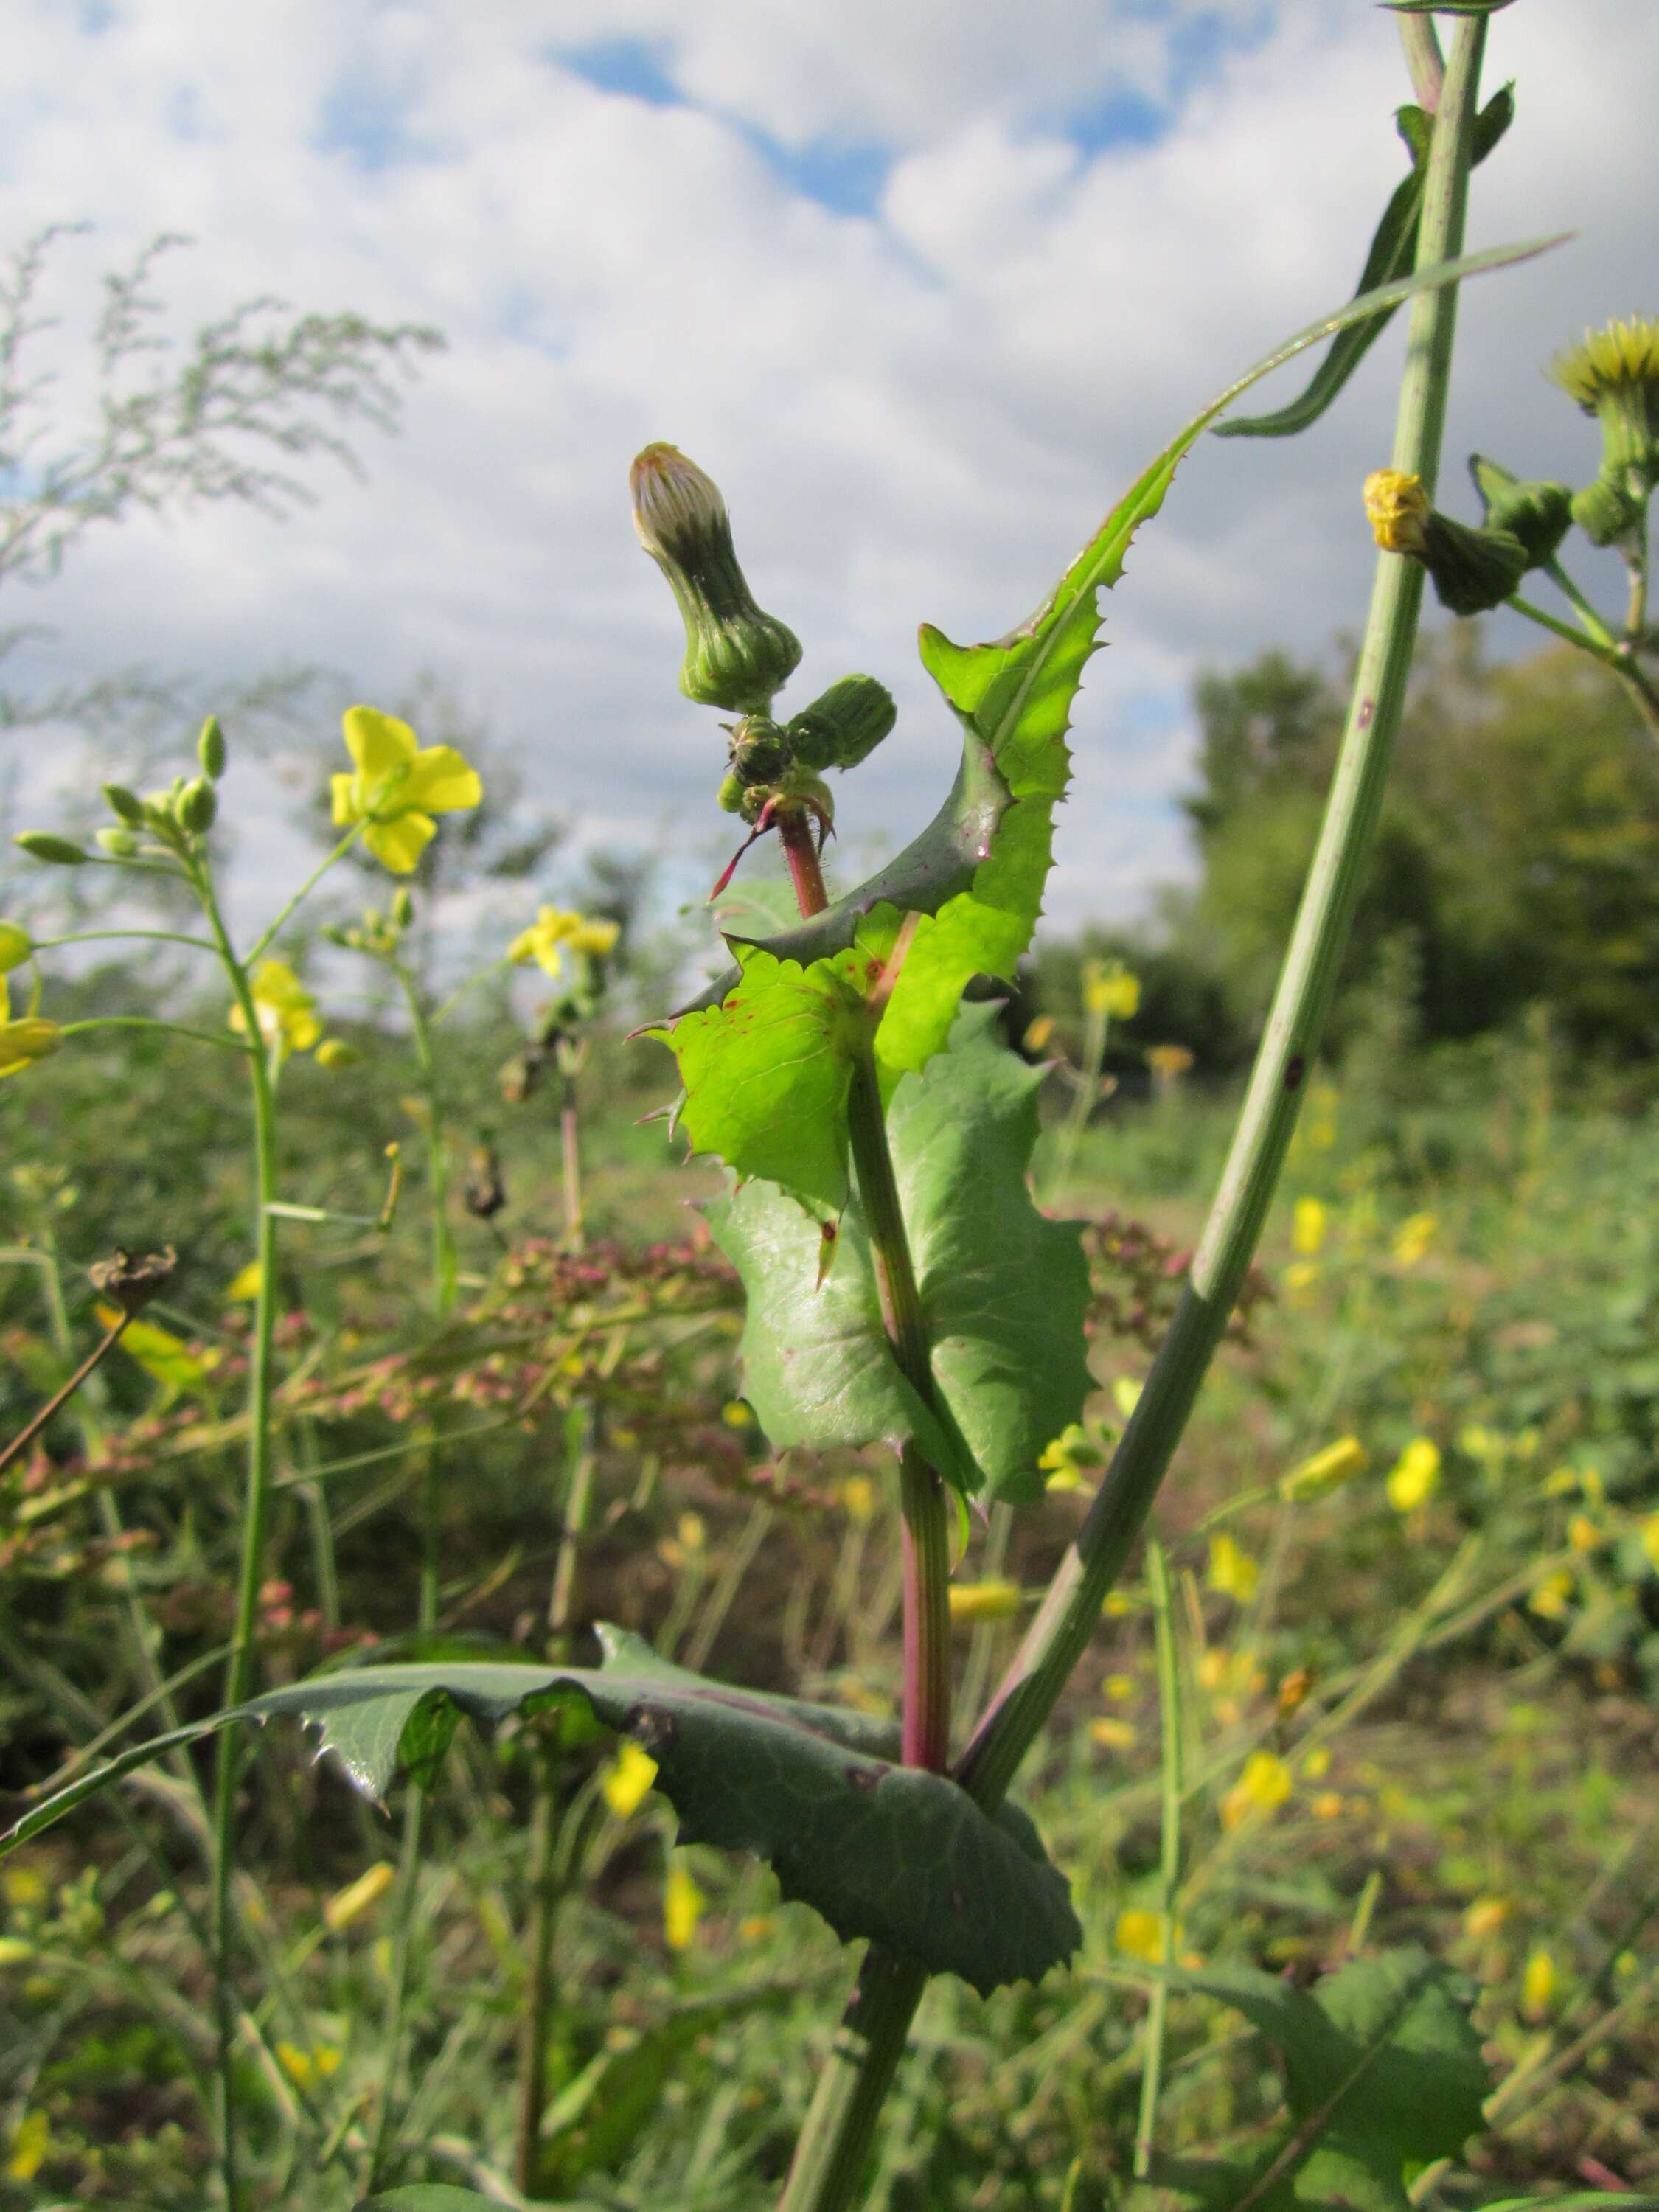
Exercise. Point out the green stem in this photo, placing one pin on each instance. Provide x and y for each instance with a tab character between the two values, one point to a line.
173	1029
1587	613
304	891
1619	659
156	936
831	2153
256	1510
444	1266
1173	1782
1083	1103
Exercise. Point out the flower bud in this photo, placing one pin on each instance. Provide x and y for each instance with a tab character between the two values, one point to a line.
198	804
211	748
402	908
1608	510
736	656
15	946
1614	375
335	1053
41	845
1539	513
1471	569
120	843
125	803
845	725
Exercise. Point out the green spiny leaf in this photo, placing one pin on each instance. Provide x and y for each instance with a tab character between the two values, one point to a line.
890	1852
1004	1290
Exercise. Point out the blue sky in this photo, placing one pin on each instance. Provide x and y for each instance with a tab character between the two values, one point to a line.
924	287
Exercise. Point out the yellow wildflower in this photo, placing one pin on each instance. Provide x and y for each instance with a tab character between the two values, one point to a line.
1113	1736
986	1600
1584	1534
245	1283
1327	1805
1140	1934
1109	988
1413	1238
1550	1600
31	2140
1308	1221
1126	1395
1485	1918
736	1415
693	1531
683	1906
1039	1033
285	1010
1538	1985
628	1780
295	2063
358	1897
553	928
399	787
1233	1572
1073	1450
25	1039
1397	505
24	1886
1262	1787
1119	1686
1326	1471
1416	1475
1301	1275
1650	1539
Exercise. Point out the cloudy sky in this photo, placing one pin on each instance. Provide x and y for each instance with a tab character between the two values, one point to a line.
922	282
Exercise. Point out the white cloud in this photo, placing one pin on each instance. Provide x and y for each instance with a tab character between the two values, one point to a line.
917	405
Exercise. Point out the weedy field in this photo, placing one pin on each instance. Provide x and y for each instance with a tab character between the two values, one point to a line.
373	1375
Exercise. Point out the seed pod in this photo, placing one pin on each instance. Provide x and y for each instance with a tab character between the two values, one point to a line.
41	845
736	656
845	725
211	748
125	803
198	804
120	844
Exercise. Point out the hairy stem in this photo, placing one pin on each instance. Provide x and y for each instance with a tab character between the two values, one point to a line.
831	2153
800	850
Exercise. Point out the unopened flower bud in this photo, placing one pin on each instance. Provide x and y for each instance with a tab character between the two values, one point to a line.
125	803
1539	513
402	908
1471	569
845	725
121	844
198	804
736	656
15	946
334	1053
1608	510
211	748
41	845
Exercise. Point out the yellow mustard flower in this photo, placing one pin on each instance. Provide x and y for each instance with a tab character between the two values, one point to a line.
27	1039
554	928
1415	1476
1262	1787
1232	1571
1140	1934
286	1011
628	1780
1309	1223
398	786
1126	1393
1109	988
1326	1470
1538	1985
31	2141
986	1600
1551	1599
1113	1735
683	1906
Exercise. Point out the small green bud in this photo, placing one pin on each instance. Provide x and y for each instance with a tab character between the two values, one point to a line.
41	845
845	725
15	946
760	750
1608	510
730	794
402	908
211	748
121	844
736	656
1537	513
198	804
125	803
335	1053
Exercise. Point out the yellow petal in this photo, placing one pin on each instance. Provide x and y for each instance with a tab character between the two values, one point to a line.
348	800
398	845
300	1027
378	742
440	780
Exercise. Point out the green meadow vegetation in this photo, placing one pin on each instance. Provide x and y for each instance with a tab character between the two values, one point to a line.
524	1597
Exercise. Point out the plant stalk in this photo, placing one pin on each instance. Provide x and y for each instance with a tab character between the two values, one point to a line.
831	2153
1173	1783
800	850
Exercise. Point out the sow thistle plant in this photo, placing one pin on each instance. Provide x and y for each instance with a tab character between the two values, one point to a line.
903	1290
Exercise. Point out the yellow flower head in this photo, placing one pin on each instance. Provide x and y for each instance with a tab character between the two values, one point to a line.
1262	1787
1326	1471
553	928
986	1600
399	787
287	1011
1308	1225
1397	507
627	1782
1415	1476
25	1039
1538	1985
1233	1572
683	1906
1140	1934
1109	988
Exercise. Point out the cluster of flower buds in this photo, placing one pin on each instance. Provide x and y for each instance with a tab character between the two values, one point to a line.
170	821
738	657
377	934
1615	376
